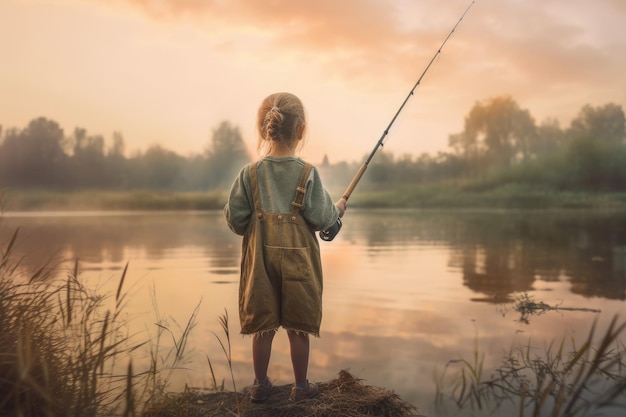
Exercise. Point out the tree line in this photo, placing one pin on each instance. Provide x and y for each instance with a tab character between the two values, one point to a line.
42	156
500	143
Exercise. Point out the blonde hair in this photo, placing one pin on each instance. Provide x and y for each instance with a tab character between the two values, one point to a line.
280	119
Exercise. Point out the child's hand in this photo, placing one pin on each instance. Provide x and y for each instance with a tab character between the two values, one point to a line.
342	205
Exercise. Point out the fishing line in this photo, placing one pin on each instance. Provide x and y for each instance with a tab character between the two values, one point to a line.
329	234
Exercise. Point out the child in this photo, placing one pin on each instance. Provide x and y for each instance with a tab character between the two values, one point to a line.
277	204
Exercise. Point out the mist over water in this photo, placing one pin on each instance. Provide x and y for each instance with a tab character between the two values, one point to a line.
405	291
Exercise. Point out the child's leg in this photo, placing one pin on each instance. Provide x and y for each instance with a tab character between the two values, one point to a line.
261	351
299	345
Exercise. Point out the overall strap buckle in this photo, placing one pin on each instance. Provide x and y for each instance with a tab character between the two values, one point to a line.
301	190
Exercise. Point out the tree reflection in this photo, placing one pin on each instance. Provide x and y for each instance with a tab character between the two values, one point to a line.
505	253
502	253
115	238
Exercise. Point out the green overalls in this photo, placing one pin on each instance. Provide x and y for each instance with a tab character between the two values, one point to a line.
281	270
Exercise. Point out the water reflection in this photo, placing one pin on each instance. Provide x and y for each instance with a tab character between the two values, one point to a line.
400	286
105	238
499	253
503	253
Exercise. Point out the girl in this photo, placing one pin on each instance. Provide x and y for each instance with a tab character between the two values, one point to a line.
277	204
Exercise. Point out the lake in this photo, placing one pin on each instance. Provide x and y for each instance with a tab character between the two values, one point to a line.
405	291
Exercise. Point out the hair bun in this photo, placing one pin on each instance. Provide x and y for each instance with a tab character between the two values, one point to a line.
280	119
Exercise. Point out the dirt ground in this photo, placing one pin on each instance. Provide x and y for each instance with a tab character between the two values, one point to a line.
343	396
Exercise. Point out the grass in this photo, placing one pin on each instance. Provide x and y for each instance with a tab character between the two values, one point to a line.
58	348
558	383
509	196
165	361
344	396
450	195
65	350
25	200
527	306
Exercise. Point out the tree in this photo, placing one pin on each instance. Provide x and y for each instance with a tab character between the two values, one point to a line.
605	123
550	138
116	164
466	147
158	168
586	164
194	174
226	155
496	130
88	160
380	170
34	156
118	147
595	154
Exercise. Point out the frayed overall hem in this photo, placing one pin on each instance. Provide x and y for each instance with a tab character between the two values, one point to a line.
301	332
260	333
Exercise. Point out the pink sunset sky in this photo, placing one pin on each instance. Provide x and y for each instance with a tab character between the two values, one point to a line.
168	72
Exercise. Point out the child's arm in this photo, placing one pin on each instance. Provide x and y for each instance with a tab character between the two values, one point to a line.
239	207
319	209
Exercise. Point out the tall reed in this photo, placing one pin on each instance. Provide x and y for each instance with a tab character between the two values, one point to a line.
558	383
58	344
65	349
165	361
162	403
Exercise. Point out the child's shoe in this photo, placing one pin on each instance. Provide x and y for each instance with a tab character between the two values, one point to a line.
259	392
300	394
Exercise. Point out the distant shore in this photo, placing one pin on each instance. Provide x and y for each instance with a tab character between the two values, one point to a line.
450	197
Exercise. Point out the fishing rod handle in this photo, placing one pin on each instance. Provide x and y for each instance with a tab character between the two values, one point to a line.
354	182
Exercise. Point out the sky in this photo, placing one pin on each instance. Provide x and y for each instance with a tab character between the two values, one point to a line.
168	72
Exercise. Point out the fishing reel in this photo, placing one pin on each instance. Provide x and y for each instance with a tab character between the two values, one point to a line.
330	233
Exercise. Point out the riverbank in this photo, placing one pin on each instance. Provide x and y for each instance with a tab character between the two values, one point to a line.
344	395
512	196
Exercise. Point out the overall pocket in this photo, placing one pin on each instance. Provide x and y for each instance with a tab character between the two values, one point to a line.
291	264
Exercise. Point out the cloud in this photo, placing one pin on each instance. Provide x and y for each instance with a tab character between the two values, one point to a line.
531	47
549	51
502	44
347	40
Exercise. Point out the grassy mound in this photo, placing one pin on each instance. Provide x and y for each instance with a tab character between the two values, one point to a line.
343	396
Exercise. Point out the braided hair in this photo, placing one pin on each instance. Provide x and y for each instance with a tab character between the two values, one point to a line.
280	119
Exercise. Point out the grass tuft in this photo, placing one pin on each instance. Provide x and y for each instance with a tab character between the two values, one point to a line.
61	343
57	345
558	384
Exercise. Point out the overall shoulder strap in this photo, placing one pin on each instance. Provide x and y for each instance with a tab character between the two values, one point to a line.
255	188
301	190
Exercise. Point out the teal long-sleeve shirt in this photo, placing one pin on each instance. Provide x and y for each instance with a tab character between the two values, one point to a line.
278	179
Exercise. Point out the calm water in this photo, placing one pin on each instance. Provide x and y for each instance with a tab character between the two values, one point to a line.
405	291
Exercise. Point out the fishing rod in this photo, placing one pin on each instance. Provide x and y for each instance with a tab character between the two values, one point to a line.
329	234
